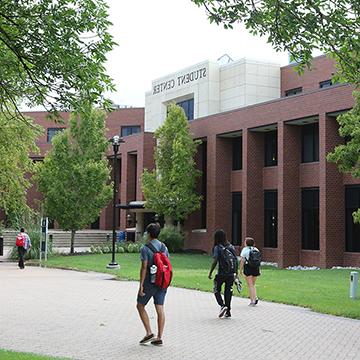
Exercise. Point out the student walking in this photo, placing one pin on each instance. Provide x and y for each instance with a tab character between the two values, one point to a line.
225	257
250	259
151	286
23	244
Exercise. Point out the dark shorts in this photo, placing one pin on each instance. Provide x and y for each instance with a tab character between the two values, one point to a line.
251	271
152	291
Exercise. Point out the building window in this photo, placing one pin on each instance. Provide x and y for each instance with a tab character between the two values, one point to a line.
270	148
352	203
130	130
95	225
237	153
310	143
236	218
292	92
188	107
310	218
270	218
325	84
51	132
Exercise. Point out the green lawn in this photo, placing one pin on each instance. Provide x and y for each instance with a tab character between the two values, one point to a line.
12	355
325	291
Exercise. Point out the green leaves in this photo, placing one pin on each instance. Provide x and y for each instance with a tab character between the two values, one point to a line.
17	140
170	188
74	177
53	52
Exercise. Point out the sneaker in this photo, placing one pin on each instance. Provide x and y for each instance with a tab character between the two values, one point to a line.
157	342
223	310
146	339
256	301
252	304
228	314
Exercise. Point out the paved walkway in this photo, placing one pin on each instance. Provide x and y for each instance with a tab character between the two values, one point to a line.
89	316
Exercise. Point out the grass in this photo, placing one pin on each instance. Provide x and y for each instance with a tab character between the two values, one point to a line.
325	291
12	355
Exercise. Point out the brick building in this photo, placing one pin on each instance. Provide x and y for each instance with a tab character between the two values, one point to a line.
265	132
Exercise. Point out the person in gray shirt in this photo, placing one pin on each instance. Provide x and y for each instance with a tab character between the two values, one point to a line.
148	290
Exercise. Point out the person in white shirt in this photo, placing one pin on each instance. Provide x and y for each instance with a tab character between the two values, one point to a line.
250	273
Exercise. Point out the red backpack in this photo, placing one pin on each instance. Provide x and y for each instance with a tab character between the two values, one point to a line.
20	240
164	268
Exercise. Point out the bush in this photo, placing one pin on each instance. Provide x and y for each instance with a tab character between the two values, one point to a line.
172	238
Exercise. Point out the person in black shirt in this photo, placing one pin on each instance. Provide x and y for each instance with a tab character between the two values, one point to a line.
225	256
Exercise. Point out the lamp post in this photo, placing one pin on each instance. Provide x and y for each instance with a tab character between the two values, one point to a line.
115	140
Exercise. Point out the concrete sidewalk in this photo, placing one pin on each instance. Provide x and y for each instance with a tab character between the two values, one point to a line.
89	316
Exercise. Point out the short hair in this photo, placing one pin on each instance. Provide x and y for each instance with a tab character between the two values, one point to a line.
22	229
249	241
153	230
220	237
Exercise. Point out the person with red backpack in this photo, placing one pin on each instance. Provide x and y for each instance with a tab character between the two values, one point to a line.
23	244
155	277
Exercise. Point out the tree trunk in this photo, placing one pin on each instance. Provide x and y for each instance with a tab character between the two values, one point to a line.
169	221
72	241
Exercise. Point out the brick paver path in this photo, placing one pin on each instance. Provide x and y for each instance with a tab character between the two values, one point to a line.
89	316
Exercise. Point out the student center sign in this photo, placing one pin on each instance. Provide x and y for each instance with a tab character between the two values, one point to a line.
265	134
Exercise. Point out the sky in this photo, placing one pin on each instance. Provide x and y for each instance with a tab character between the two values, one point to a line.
158	37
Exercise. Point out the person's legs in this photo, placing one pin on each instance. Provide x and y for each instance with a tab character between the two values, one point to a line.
144	318
251	288
21	253
160	320
254	291
228	291
218	281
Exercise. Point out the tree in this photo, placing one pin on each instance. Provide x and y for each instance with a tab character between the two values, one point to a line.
74	177
347	156
53	53
17	140
300	27
170	188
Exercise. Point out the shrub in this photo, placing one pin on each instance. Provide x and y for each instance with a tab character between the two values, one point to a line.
172	238
120	250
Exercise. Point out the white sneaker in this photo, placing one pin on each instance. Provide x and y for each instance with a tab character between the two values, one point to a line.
223	310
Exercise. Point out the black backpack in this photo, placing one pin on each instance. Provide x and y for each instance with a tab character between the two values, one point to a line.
254	257
228	260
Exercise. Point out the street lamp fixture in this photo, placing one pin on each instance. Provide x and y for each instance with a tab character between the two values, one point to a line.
116	141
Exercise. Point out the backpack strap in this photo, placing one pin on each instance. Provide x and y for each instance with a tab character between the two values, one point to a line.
152	248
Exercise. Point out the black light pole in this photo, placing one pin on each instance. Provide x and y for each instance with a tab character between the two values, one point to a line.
116	140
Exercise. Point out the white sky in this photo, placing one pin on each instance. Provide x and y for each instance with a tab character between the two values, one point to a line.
158	37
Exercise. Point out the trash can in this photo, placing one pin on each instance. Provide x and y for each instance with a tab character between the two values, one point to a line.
1	245
354	279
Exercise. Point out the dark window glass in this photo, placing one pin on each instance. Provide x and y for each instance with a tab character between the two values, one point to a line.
237	153
130	130
352	203
95	224
270	218
325	84
310	143
51	132
188	106
292	92
236	218
51	223
310	219
271	148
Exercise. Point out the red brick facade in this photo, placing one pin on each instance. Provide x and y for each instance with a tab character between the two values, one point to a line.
286	114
